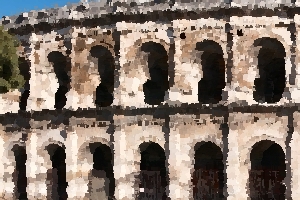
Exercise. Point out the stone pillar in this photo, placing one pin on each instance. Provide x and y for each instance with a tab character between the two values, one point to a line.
237	175
36	176
295	159
77	187
180	164
125	180
2	173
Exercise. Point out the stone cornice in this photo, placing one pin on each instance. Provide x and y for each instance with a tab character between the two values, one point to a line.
101	14
160	112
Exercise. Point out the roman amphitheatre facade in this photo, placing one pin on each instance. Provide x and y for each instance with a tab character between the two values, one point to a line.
154	100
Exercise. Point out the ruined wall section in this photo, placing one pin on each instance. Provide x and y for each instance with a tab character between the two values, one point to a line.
44	82
245	129
84	73
133	62
185	132
188	66
245	60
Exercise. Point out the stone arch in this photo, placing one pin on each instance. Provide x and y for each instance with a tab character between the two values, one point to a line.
56	176
19	174
102	182
84	153
153	174
208	178
267	171
62	69
211	86
158	84
270	85
106	69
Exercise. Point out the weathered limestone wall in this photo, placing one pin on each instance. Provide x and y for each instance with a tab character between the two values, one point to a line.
85	76
133	62
177	138
295	160
188	69
267	3
8	139
43	78
244	131
185	132
245	60
131	132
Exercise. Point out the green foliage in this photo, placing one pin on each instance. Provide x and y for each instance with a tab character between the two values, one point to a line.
10	77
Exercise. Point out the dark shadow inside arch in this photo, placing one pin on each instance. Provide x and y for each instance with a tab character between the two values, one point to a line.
153	175
102	170
208	178
106	68
57	175
62	69
267	171
270	86
210	87
20	172
156	87
24	66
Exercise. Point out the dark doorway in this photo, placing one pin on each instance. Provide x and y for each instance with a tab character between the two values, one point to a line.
153	175
270	86
62	69
57	175
24	66
208	178
102	183
211	86
267	171
20	172
156	87
106	68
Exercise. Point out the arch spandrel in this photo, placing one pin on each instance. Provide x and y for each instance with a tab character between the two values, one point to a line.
245	61
84	73
43	77
133	63
188	68
84	154
252	128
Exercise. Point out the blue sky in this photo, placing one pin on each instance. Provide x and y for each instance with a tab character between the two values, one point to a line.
13	7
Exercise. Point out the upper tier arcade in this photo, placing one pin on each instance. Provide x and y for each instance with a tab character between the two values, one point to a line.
145	54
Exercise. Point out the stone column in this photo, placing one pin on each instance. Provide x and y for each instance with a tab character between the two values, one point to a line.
180	164
125	180
2	173
237	175
36	176
77	187
295	159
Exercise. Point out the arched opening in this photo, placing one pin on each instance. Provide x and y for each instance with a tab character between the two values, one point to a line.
106	68
267	171
208	178
19	174
102	183
57	175
62	68
153	174
24	67
156	87
270	85
211	86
